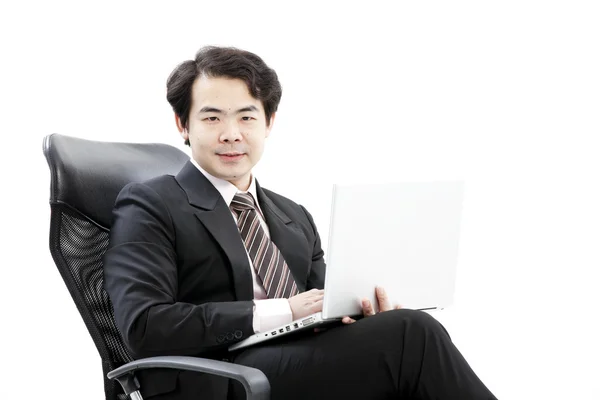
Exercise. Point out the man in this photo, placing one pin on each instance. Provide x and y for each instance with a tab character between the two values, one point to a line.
206	258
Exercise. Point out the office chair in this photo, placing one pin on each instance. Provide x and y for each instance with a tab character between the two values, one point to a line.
86	177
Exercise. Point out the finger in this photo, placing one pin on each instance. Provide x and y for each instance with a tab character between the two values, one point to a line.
309	301
382	299
398	306
348	320
367	308
317	306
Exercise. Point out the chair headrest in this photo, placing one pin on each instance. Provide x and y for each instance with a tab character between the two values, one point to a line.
88	175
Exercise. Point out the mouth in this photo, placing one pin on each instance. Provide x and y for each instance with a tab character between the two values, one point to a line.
230	156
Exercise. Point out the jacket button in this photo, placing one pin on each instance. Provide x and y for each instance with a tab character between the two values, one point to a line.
238	334
230	336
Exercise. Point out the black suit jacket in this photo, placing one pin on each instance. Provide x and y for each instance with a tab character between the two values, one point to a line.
178	274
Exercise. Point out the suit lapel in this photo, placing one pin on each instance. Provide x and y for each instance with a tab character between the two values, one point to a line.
216	217
288	238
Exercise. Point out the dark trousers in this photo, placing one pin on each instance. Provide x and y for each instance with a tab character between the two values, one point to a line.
400	354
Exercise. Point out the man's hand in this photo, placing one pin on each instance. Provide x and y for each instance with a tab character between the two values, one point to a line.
306	303
382	300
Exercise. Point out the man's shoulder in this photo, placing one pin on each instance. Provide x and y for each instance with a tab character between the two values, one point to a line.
165	186
161	182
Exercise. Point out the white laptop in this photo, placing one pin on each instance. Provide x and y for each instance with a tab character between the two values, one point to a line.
401	236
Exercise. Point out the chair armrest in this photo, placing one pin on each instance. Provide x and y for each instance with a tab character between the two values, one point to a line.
254	381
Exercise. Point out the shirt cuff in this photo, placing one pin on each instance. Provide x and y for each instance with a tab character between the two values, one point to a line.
271	313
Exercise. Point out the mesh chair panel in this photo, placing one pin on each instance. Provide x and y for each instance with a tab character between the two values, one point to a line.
80	245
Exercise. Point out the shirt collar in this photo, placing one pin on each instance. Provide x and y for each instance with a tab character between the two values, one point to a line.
227	189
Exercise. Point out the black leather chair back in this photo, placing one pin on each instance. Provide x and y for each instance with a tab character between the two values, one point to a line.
86	177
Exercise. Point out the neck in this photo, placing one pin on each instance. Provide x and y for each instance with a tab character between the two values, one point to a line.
243	184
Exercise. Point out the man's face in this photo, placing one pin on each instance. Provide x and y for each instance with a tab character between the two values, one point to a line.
227	129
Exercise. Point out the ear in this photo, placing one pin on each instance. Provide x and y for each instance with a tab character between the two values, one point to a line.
182	131
270	126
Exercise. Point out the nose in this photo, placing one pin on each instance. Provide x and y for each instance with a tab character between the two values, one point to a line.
231	133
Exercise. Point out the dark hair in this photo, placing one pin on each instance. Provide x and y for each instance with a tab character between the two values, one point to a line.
215	62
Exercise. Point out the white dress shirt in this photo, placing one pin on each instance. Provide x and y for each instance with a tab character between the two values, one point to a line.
268	313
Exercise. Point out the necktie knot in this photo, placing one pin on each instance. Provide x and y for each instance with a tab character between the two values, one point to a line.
242	202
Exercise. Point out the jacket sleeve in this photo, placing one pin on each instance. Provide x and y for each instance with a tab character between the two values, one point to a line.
140	277
316	276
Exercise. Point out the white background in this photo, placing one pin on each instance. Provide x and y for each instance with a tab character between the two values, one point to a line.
505	95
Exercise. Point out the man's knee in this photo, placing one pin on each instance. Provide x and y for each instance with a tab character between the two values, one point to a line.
404	318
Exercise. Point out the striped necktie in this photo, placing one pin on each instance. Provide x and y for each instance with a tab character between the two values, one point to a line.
266	258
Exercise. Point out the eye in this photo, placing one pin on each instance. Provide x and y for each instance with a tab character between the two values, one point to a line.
211	119
247	118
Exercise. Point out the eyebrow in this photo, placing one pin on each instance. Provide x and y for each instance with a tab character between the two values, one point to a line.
207	109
